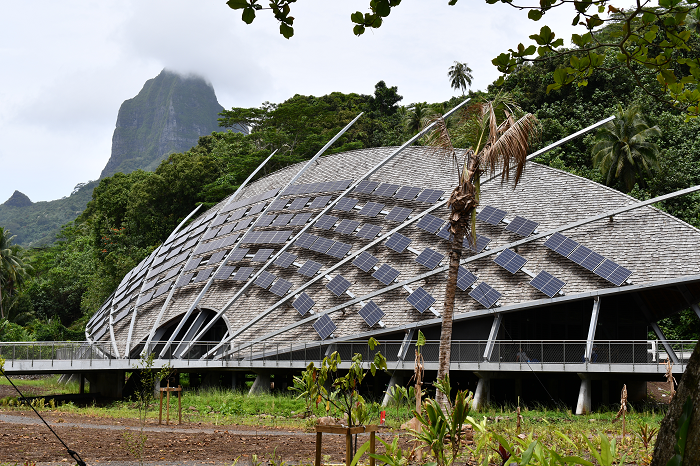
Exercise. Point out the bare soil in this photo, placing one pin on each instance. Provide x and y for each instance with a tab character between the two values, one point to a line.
101	440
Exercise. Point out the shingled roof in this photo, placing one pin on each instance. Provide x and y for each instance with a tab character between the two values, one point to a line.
655	246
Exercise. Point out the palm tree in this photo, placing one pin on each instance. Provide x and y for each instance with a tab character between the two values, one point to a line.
622	151
499	135
416	115
460	76
13	270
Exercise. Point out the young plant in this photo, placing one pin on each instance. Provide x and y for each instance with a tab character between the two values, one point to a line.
646	433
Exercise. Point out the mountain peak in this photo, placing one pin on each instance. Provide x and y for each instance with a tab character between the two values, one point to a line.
18	199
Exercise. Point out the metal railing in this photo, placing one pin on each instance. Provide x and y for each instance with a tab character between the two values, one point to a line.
502	352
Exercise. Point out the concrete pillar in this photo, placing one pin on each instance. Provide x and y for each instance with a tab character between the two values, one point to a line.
261	384
583	406
108	384
210	379
396	379
482	395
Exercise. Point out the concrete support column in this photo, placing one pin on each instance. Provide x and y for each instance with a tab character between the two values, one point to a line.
583	406
482	395
261	384
396	379
108	384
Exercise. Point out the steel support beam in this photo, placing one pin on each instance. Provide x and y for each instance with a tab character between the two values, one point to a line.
493	334
592	328
690	299
657	330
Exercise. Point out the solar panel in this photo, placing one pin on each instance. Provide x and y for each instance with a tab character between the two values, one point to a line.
561	244
219	220
144	299
210	234
265	220
224	272
277	205
491	215
338	285
303	303
265	279
320	202
193	263
485	295
522	226
324	326
162	289
257	208
236	215
444	232
365	261
326	222
225	230
398	214
174	271
299	203
407	193
398	242
268	237
282	220
292	189
347	227
285	259
345	204
510	260
245	223
368	231
184	280
301	219
465	278
430	196
371	209
339	250
386	274
547	283
203	275
243	274
149	285
310	268
322	245
238	254
580	254
481	243
430	223
371	313
613	272
217	256
281	287
366	186
592	261
421	300
305	240
385	189
340	185
430	258
262	255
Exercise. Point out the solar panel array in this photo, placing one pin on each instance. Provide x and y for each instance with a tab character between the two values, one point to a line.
347	227
326	222
285	259
368	231
365	186
300	219
430	223
430	196
510	260
250	200
430	258
481	243
407	193
262	255
491	215
238	254
586	258
339	250
322	245
345	204
485	295
281	287
299	203
547	283
243	274
371	313
267	237
338	285
224	272
421	300
385	189
365	261
310	268
282	220
324	326
613	272
264	221
318	187
561	244
371	209
319	202
398	214
522	226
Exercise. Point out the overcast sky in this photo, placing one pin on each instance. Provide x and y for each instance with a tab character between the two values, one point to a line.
68	66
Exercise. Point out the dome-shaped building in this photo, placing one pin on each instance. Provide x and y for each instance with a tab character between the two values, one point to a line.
565	281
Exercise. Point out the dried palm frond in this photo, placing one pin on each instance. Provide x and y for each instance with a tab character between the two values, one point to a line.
510	150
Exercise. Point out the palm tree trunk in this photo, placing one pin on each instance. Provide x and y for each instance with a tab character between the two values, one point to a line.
448	311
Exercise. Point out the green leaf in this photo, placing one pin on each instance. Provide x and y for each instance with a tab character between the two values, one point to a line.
357	17
648	17
553	87
576	19
382	8
421	338
358	30
248	15
534	15
286	30
237	4
668	76
559	75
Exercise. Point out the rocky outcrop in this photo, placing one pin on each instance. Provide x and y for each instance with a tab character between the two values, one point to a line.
18	199
169	115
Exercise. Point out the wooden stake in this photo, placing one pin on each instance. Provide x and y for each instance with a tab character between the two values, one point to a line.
179	405
167	410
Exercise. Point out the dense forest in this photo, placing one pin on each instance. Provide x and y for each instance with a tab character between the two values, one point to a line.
62	284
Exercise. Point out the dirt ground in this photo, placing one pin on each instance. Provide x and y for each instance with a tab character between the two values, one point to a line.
101	440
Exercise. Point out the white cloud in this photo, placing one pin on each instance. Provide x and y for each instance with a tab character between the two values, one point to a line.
69	66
